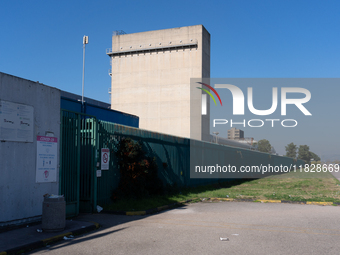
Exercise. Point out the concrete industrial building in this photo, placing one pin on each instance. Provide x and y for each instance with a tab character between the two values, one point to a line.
151	74
235	134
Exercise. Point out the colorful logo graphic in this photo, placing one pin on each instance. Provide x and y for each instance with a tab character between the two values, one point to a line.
208	92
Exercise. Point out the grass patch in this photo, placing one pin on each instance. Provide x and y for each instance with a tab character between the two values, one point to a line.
291	188
318	187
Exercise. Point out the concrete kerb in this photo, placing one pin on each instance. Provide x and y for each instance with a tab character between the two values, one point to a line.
210	200
267	201
44	242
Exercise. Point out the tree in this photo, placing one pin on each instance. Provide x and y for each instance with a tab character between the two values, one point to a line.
304	153
138	172
291	150
264	146
315	157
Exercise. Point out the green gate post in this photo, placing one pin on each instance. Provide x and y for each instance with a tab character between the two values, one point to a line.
75	127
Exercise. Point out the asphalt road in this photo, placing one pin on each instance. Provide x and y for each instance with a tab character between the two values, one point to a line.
252	228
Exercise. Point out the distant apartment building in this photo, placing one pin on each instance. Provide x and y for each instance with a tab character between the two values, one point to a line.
150	77
235	134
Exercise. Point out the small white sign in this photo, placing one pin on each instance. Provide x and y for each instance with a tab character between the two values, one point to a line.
99	173
16	122
105	161
47	157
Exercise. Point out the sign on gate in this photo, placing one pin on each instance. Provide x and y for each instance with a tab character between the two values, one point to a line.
105	159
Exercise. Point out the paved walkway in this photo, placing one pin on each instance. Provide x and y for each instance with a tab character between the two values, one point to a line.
28	238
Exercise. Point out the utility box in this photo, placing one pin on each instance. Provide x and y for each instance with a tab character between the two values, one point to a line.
53	214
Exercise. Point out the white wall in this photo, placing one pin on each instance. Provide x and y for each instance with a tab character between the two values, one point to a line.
20	196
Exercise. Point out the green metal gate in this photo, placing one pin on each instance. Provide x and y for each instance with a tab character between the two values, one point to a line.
78	162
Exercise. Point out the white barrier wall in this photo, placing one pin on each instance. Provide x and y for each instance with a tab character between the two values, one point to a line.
29	111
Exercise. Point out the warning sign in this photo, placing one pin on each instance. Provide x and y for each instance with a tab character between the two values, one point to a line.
105	159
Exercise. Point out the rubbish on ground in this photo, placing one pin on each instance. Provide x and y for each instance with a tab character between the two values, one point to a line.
69	237
56	196
99	208
227	195
224	238
39	230
234	234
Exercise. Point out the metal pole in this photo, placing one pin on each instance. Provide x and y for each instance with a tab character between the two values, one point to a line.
82	92
85	41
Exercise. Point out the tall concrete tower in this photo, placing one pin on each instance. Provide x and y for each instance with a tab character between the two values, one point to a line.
151	74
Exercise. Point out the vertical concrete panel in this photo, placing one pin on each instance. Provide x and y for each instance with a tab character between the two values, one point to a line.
20	196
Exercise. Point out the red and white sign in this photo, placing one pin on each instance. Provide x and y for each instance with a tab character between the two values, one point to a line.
47	159
47	139
105	159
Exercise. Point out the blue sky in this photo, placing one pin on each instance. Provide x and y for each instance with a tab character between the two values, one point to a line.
42	41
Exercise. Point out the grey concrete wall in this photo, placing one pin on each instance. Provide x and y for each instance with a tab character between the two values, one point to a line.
20	196
151	77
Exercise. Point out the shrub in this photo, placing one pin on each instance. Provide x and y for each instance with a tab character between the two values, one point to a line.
138	172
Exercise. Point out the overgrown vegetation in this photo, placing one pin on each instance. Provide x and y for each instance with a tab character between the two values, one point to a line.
138	172
303	153
291	150
264	146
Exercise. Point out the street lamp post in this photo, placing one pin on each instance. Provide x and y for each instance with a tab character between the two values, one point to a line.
85	41
216	134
